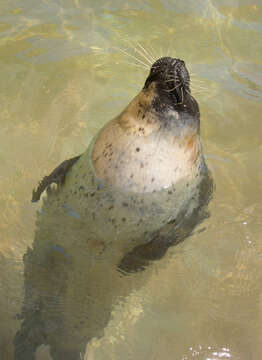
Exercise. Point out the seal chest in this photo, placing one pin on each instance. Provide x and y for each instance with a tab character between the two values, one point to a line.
143	154
154	142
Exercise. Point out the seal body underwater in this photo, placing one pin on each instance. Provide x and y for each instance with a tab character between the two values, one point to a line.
141	186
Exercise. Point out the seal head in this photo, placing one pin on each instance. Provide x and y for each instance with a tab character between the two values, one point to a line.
172	81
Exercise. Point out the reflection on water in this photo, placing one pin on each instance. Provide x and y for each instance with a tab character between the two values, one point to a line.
62	78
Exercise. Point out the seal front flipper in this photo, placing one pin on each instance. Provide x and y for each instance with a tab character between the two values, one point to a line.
57	176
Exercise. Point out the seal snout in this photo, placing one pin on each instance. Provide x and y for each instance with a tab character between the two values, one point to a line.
171	73
180	74
177	74
169	81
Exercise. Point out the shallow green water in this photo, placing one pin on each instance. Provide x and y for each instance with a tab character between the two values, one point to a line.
64	73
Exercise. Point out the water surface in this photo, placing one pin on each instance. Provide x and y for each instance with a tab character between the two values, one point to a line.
64	73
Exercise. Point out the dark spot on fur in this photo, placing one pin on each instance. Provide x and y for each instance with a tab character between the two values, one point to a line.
132	175
137	149
99	186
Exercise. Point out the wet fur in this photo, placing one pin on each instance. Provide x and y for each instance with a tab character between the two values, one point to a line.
99	234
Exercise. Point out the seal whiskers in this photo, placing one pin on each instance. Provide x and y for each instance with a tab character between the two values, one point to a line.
138	65
133	57
145	56
147	53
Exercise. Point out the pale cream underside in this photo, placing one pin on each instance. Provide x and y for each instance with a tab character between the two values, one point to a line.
136	152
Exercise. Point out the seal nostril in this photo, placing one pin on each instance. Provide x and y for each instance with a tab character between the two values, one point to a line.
181	74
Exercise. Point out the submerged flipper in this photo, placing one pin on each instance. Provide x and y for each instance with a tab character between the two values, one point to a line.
57	176
171	233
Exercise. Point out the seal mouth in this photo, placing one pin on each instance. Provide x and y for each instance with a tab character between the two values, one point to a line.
172	81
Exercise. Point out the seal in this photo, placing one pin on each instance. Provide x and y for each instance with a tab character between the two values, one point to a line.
141	186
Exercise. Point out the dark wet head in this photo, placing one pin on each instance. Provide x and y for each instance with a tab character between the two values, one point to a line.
172	84
171	73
